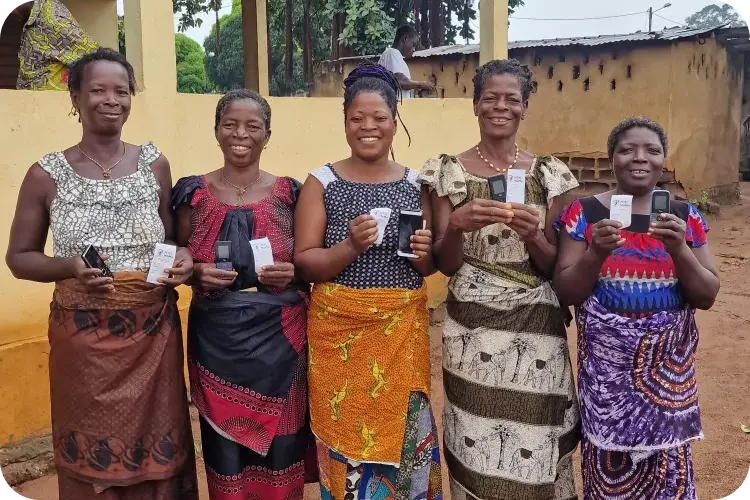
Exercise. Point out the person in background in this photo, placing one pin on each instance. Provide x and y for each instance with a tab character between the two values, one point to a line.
511	418
635	289
392	59
247	350
120	421
368	324
52	40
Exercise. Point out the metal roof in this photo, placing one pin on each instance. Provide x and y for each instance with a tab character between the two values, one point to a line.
669	34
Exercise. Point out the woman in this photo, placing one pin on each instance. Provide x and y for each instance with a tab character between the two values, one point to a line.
368	326
52	39
120	420
511	418
636	289
247	350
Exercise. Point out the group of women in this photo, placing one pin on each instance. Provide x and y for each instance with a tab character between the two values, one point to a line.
331	383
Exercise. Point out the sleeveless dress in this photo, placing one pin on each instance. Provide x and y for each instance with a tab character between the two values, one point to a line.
247	351
637	340
369	357
120	421
511	420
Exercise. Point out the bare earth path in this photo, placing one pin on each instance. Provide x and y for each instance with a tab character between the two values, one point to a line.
722	460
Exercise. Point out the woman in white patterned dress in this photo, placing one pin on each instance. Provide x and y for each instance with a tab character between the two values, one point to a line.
120	422
511	418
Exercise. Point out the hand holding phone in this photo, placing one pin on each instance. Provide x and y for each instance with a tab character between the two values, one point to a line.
660	204
91	270
409	222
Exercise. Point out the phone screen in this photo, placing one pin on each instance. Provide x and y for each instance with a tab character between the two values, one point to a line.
222	251
660	203
93	258
497	187
408	224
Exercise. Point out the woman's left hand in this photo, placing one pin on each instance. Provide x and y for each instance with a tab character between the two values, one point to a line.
421	243
279	275
181	270
670	230
525	222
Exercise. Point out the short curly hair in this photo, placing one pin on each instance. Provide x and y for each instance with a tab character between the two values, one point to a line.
241	95
503	67
631	123
76	69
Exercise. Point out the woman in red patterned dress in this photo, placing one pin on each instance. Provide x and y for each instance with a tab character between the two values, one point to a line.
246	349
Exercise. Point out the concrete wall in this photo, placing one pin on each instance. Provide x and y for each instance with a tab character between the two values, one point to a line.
694	90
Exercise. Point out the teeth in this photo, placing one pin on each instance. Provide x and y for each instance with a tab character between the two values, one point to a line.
369	139
240	149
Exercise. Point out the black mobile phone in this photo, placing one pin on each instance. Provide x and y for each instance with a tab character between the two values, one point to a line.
409	222
94	261
498	187
659	204
223	257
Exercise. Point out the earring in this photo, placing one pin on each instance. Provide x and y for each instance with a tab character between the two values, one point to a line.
73	111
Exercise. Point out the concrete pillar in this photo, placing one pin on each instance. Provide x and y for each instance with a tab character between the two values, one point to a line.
149	42
255	45
493	30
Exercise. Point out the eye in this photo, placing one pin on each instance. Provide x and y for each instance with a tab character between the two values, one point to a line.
655	151
626	150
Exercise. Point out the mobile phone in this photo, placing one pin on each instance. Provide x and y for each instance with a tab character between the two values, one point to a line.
409	222
223	257
659	203
498	187
94	261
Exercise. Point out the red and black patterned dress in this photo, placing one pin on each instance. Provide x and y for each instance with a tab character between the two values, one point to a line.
247	351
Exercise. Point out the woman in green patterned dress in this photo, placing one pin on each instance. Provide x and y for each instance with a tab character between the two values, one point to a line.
511	418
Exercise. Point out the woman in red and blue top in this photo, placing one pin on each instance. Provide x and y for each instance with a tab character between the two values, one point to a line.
635	290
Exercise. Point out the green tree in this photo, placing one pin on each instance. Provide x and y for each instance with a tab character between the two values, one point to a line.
191	66
713	15
121	34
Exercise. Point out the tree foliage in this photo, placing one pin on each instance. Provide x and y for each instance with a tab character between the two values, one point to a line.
324	29
713	15
191	66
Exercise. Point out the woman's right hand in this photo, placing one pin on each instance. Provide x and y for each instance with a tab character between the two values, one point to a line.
479	213
363	232
605	237
91	278
210	279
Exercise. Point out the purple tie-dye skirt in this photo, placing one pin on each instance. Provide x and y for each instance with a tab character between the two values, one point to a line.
639	403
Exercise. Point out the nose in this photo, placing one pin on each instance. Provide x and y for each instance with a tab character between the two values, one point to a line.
501	104
241	132
111	100
640	155
368	124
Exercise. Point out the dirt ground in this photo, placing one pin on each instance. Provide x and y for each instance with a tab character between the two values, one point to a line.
722	460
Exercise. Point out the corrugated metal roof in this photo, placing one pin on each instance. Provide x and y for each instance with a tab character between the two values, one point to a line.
670	34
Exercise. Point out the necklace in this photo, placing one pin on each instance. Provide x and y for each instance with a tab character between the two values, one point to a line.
240	190
500	170
106	172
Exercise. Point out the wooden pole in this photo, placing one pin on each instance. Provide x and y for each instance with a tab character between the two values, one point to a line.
493	30
255	45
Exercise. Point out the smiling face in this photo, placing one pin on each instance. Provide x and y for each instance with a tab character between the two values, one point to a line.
370	126
104	98
242	132
638	160
500	107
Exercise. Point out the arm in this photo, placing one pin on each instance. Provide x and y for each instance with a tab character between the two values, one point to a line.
28	236
182	269
407	84
541	245
448	245
698	277
422	240
577	270
317	264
